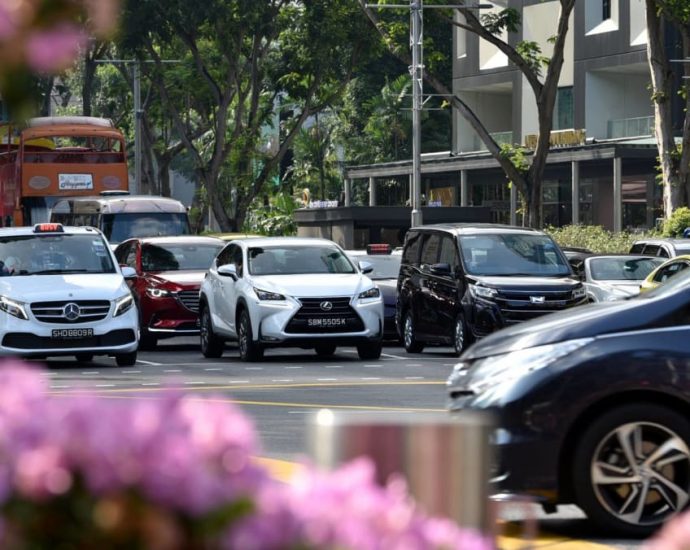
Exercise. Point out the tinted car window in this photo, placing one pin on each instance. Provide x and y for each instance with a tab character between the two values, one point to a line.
516	254
622	269
430	249
449	254
177	257
637	248
293	260
411	251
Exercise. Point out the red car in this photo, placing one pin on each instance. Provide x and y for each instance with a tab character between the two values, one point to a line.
166	288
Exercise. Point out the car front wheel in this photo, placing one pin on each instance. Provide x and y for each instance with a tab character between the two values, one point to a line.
126	359
412	345
370	350
631	469
325	350
211	345
460	337
249	349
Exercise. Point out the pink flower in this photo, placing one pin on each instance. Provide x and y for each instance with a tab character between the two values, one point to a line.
54	49
675	535
8	25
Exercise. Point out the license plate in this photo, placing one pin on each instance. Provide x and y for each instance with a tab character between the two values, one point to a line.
70	333
327	322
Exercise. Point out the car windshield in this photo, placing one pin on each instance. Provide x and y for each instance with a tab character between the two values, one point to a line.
293	260
178	257
622	269
512	254
54	254
385	266
677	282
123	226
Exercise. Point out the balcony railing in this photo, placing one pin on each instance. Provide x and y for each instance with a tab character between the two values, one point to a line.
630	127
499	137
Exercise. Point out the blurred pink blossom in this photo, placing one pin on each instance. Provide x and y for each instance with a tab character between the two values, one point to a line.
52	50
675	535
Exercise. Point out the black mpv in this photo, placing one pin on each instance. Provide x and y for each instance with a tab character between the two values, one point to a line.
459	282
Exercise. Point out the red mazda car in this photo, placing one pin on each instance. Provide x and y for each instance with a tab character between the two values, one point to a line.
166	288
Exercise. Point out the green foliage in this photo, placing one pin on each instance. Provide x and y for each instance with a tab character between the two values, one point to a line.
594	238
516	155
276	219
506	19
531	52
677	223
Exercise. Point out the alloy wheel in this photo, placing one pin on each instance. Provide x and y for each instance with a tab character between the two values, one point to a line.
640	473
408	331
459	338
242	337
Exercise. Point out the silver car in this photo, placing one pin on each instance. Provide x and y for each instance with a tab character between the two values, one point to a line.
616	277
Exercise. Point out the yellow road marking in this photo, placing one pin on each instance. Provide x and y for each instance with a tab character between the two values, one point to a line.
150	389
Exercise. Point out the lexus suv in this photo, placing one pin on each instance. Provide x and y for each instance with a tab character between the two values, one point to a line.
62	293
287	291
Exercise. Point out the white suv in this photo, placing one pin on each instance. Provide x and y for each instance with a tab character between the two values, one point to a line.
62	293
287	291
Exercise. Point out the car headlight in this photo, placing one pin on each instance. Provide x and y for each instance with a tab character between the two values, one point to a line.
155	292
373	292
13	307
268	295
490	372
482	291
579	293
123	304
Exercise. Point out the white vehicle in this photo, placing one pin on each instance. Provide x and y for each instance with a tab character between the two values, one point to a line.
287	291
62	293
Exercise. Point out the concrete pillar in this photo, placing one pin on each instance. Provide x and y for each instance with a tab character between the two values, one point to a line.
575	170
617	194
513	205
372	191
464	189
348	192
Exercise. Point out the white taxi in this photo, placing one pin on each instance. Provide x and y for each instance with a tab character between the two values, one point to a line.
62	293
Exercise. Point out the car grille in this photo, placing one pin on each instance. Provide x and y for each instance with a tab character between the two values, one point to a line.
189	299
54	312
28	341
517	305
312	319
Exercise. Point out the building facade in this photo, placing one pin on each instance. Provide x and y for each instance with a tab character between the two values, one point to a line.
602	166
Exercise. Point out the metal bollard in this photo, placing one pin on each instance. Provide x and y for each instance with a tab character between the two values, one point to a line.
445	459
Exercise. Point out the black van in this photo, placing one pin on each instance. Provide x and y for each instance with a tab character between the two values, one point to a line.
459	282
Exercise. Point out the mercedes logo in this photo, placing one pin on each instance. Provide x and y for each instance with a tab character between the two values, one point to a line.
71	311
326	306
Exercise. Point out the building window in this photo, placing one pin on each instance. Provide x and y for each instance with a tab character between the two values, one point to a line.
605	10
563	109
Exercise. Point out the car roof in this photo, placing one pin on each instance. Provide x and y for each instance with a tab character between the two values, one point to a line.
122	203
285	241
66	229
474	228
677	243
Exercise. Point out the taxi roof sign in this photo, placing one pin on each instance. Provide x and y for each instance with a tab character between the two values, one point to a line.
48	228
379	248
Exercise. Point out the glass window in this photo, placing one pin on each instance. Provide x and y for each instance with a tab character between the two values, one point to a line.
294	260
605	9
449	254
131	257
123	226
385	266
178	257
237	258
563	111
430	249
411	251
622	269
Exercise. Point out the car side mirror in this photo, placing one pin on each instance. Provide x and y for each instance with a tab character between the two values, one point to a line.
128	272
366	267
228	270
440	269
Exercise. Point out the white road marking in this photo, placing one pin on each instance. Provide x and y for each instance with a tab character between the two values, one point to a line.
150	384
354	412
284	380
90	372
372	366
193	383
59	387
253	368
130	372
47	373
105	385
414	378
333	366
326	379
215	368
292	367
172	370
239	381
413	365
149	363
392	356
370	378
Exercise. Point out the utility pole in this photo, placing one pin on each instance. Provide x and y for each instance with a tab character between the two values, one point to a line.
416	8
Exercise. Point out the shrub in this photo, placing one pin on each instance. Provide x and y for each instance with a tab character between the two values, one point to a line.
677	223
177	473
594	238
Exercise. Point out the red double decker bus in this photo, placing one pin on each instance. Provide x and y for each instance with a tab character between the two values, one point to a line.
56	157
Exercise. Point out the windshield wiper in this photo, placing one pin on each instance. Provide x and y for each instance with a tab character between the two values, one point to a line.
58	271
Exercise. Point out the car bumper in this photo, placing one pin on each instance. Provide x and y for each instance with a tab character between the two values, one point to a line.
275	324
33	338
168	317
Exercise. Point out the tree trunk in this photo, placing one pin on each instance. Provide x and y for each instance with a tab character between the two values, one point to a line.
662	90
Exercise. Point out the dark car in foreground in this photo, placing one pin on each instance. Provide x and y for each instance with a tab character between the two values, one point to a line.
592	407
166	288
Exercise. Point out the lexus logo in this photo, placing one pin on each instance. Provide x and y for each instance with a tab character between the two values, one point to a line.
537	299
326	306
71	312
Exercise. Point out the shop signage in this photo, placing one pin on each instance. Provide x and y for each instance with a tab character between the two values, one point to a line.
559	138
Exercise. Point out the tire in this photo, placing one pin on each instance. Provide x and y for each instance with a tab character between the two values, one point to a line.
211	345
663	481
249	349
325	350
147	341
460	336
84	357
370	350
126	359
412	345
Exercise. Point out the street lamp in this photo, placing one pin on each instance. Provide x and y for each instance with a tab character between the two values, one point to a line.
416	8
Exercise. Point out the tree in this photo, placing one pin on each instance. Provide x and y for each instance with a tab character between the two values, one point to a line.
241	58
674	158
527	57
